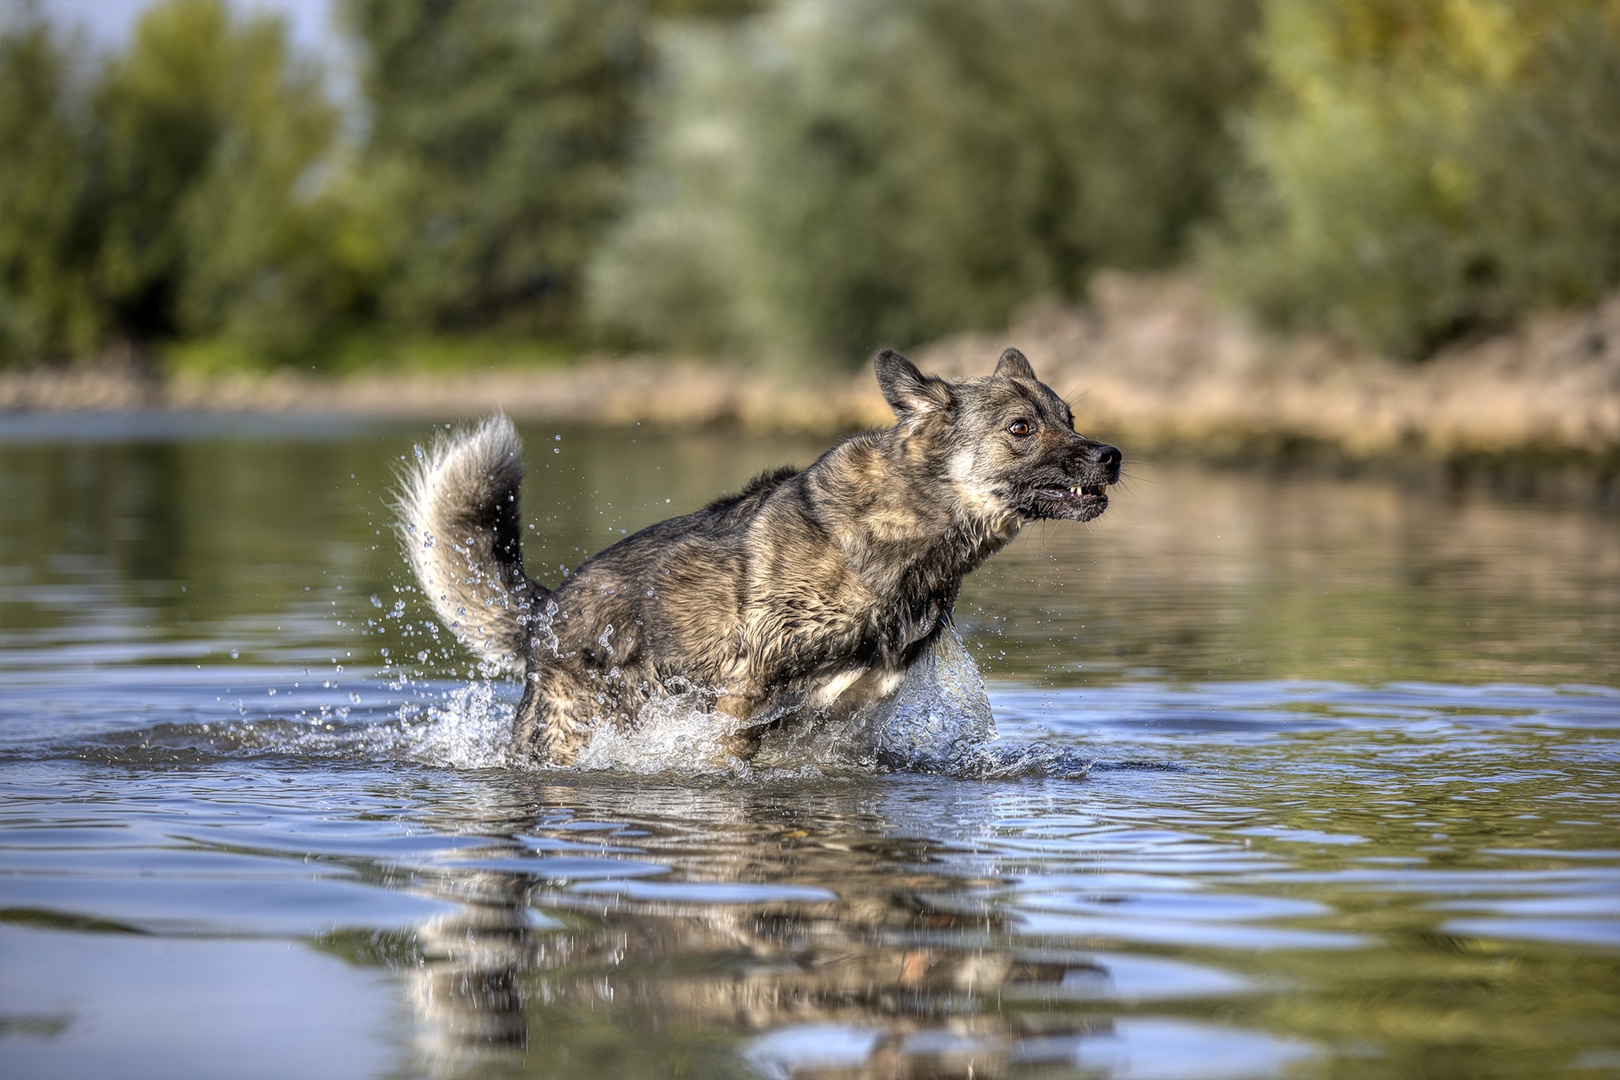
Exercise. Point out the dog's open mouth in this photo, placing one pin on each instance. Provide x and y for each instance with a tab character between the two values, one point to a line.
1083	501
1079	496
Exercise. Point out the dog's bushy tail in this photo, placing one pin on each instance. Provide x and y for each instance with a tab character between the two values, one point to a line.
458	520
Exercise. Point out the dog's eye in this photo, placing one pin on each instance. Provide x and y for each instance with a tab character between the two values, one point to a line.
1019	427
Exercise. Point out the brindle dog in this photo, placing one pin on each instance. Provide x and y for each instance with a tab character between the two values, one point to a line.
808	593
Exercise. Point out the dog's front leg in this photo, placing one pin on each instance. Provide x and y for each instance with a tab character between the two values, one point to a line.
547	728
530	718
741	739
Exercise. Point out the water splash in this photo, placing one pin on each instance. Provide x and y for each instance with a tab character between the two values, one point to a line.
471	730
940	722
677	734
940	711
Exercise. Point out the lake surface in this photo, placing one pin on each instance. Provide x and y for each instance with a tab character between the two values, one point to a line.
1355	810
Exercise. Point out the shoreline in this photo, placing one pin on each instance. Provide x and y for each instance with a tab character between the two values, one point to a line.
1152	362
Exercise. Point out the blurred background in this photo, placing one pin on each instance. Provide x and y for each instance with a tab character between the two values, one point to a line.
343	185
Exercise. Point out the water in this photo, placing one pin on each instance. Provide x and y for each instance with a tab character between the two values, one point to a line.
1352	814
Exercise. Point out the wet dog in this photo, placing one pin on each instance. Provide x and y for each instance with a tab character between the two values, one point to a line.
807	594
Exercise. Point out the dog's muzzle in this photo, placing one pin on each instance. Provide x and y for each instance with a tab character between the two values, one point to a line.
1082	498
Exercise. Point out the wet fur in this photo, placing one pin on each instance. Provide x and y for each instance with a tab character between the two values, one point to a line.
807	593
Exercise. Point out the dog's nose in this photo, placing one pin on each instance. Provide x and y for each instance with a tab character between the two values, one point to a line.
1107	456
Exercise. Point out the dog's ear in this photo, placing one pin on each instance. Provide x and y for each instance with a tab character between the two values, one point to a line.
1015	365
908	390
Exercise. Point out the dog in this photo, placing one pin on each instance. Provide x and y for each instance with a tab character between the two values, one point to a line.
809	593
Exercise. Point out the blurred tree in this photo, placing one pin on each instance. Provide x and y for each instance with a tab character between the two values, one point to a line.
48	227
831	177
499	132
804	181
173	193
1424	170
214	137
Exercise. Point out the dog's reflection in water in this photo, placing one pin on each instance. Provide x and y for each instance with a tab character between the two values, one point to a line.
465	987
768	917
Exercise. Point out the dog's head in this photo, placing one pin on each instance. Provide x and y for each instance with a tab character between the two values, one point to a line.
1006	442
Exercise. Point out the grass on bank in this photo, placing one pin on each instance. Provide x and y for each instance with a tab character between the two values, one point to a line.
370	352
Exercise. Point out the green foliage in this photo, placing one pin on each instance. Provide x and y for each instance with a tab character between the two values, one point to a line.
47	206
499	134
210	130
798	181
168	194
1421	171
831	177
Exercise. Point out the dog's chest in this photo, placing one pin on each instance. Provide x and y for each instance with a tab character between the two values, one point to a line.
886	634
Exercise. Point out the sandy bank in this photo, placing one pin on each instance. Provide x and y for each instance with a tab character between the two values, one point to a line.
1149	361
1157	359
